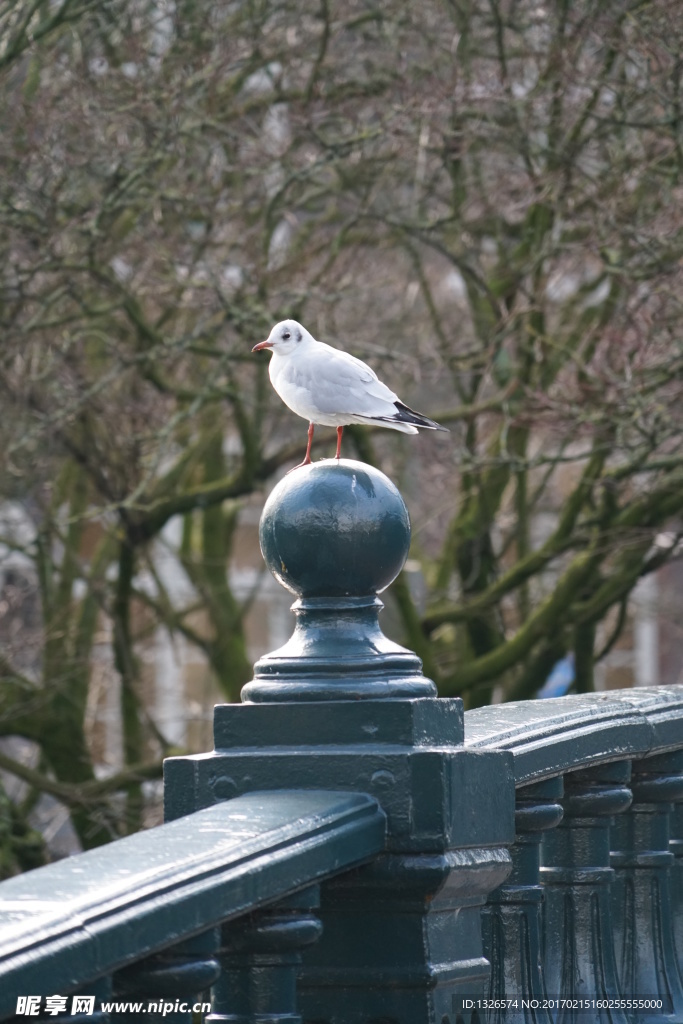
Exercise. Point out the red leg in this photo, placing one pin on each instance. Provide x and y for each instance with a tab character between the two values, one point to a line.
307	456
340	431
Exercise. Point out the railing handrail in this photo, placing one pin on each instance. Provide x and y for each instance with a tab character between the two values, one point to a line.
553	736
66	924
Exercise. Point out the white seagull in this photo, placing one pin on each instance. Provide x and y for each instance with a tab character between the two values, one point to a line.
332	388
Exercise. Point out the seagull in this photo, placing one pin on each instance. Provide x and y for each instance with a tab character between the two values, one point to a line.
331	388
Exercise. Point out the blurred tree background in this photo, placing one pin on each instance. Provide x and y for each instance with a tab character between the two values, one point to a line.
481	199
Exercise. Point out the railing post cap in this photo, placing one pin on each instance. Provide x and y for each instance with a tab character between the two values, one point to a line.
336	533
335	529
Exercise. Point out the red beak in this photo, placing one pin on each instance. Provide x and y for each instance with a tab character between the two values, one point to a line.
261	345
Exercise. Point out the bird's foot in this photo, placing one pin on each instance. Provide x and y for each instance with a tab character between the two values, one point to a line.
299	465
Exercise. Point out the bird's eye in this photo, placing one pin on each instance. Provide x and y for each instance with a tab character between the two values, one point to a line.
286	335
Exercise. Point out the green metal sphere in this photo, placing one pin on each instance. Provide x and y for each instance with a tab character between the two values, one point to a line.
335	529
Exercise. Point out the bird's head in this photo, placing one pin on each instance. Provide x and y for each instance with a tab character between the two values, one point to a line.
284	338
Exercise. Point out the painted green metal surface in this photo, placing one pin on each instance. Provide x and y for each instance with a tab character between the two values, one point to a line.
386	947
676	848
662	707
551	737
78	919
335	529
336	534
579	952
261	958
609	934
341	706
641	895
512	916
179	974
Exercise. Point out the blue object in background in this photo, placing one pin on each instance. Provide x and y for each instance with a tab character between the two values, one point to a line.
562	675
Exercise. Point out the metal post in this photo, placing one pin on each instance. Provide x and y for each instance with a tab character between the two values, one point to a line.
260	956
341	707
512	918
163	981
676	847
642	897
579	949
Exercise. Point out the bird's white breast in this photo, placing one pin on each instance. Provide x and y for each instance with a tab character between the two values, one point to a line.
294	388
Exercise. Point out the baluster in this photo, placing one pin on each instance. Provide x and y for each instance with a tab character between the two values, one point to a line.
579	950
512	917
99	990
260	957
676	847
402	941
178	975
643	861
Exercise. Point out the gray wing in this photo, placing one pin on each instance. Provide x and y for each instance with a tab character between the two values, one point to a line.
340	383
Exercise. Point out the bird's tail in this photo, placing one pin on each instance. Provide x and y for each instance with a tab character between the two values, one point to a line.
406	415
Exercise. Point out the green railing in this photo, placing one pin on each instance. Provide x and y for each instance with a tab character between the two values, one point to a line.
599	796
357	851
87	918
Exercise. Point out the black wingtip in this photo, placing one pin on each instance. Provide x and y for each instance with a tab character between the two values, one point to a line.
408	415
